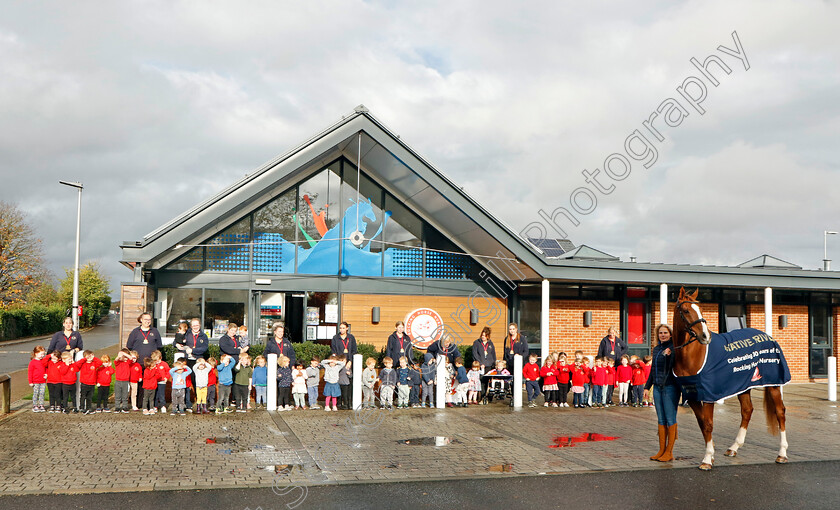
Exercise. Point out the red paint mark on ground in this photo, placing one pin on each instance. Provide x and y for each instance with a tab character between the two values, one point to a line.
568	441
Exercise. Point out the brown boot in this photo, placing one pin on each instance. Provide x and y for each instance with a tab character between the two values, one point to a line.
663	435
669	449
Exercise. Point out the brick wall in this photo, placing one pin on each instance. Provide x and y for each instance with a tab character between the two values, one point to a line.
566	330
793	339
710	312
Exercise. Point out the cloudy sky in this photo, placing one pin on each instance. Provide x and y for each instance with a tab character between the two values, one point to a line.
156	106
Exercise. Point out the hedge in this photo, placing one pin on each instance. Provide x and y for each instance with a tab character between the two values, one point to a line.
33	320
304	351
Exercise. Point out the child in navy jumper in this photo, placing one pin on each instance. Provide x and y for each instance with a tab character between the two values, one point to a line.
462	383
415	380
429	371
388	381
403	384
284	384
344	376
260	381
531	374
38	377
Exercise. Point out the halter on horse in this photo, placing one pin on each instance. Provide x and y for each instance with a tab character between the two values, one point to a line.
691	338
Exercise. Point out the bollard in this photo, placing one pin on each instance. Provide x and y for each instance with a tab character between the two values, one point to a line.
832	379
517	380
271	388
357	380
5	394
440	382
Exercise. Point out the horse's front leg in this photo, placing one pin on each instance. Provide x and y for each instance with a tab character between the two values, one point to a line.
704	413
746	414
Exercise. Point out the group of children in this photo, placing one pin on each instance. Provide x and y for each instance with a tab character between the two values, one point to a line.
592	382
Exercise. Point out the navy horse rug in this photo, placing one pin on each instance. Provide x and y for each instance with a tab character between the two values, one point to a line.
736	362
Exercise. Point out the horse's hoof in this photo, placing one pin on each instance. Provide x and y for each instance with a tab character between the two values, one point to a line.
781	460
731	453
705	467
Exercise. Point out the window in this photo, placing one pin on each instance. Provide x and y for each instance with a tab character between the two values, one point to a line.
735	317
229	251
364	259
193	260
318	218
222	307
275	234
181	305
402	236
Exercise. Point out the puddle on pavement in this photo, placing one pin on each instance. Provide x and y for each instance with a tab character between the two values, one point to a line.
589	437
263	447
429	441
487	438
501	468
282	469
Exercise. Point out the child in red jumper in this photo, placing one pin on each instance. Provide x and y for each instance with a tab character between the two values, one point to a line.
68	383
135	376
122	385
163	368
637	381
103	381
531	372
578	380
599	382
610	382
548	372
38	377
87	368
55	373
623	374
151	376
564	374
212	380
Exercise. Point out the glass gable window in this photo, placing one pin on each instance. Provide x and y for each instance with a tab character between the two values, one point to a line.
229	251
275	235
308	229
318	220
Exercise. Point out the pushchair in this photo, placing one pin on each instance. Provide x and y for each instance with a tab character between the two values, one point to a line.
497	386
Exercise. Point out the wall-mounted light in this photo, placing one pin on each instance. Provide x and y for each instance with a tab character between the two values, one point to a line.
262	281
587	319
374	315
783	321
473	316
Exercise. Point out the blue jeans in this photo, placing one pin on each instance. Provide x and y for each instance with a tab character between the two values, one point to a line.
313	395
533	389
665	399
596	393
262	393
585	395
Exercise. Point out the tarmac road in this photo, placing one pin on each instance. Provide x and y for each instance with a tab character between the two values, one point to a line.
811	485
15	356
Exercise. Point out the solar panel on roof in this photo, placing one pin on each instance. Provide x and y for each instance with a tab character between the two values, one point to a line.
551	247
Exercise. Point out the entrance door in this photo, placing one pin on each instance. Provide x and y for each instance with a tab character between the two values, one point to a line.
295	306
637	328
819	346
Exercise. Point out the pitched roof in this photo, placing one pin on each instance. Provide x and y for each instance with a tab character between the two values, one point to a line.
768	261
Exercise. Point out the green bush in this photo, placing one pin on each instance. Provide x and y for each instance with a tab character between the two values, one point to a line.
33	320
304	351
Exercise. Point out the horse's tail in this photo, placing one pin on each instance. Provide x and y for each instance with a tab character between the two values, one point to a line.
770	411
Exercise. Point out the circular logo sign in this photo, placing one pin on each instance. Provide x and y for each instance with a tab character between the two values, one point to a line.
424	326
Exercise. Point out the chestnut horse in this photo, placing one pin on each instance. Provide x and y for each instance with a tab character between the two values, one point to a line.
691	336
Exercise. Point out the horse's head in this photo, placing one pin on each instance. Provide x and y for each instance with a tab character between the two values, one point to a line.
688	319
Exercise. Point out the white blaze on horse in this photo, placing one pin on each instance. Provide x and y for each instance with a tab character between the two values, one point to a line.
712	366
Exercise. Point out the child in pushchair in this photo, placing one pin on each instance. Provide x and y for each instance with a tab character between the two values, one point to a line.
498	382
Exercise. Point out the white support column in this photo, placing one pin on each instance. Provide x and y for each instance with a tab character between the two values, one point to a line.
832	379
544	323
517	380
271	389
440	383
768	311
663	303
357	381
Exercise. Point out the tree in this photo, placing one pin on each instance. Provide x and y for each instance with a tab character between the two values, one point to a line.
21	266
94	292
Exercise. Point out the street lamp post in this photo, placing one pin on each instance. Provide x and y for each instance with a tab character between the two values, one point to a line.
826	260
78	186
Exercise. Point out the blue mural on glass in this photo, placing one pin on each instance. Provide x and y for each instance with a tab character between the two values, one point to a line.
274	254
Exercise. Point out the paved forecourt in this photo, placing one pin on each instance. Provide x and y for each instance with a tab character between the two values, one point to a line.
46	453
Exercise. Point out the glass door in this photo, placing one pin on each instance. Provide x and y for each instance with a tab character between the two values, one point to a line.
819	346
